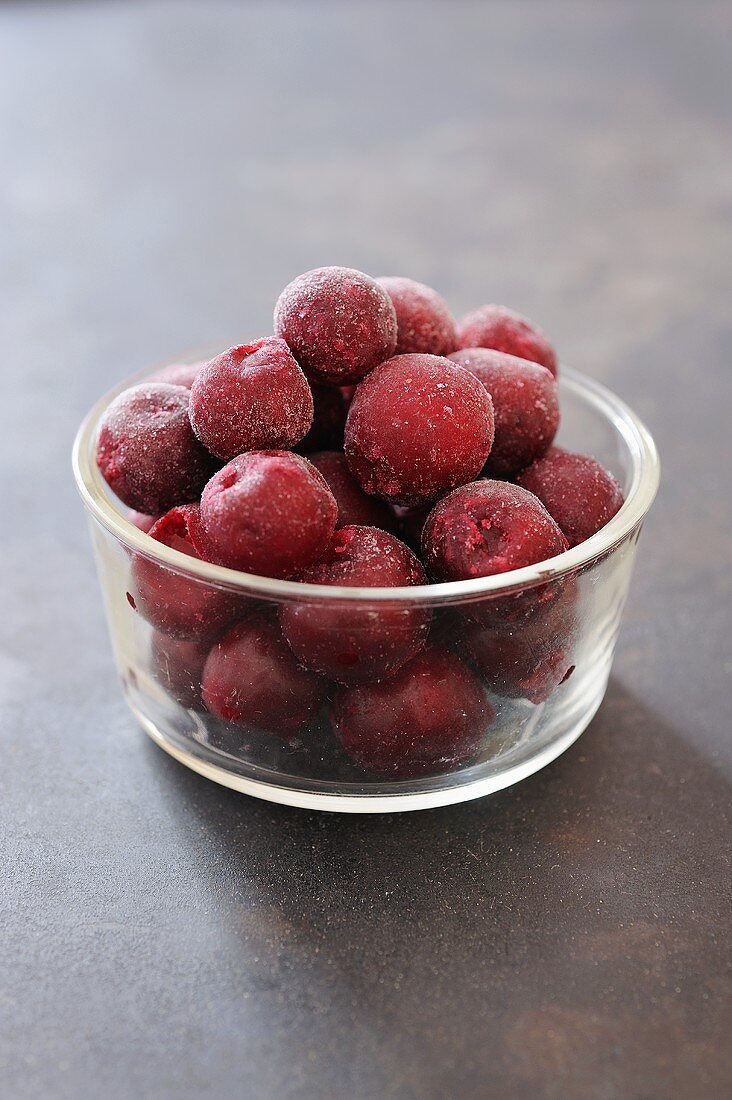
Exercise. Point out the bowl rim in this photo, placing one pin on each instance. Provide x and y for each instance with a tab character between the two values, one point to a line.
645	468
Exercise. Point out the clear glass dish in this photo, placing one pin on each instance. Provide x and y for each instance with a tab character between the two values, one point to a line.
522	659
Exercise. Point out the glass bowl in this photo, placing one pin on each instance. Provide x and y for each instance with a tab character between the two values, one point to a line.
514	668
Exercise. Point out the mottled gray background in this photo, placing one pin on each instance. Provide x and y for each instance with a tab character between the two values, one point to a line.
165	168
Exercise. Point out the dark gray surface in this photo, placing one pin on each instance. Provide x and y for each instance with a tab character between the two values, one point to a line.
166	168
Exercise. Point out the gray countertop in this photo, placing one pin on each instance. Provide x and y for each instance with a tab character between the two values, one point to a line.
166	169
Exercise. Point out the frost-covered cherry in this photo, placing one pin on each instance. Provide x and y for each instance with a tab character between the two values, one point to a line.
505	330
418	426
269	513
530	657
351	642
175	602
513	669
424	321
488	527
147	452
251	677
338	322
252	397
525	406
579	493
430	717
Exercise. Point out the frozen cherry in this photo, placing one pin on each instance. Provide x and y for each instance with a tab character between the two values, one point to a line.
504	330
268	512
529	658
339	323
252	678
488	527
418	426
352	642
329	420
430	717
177	665
250	398
354	506
525	406
176	603
424	321
580	494
179	374
511	668
147	451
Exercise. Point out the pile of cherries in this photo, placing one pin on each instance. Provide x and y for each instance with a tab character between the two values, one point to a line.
371	442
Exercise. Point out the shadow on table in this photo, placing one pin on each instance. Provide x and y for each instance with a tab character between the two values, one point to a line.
564	927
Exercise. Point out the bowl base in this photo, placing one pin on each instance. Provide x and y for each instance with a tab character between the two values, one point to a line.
453	789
